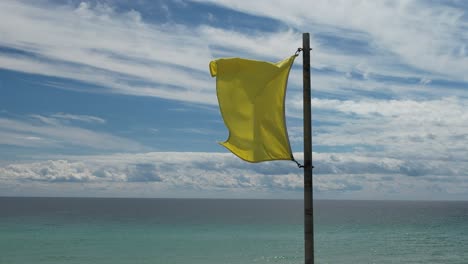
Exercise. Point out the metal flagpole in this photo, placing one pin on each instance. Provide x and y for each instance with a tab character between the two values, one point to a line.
308	193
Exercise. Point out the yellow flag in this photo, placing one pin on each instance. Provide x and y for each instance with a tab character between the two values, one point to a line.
251	98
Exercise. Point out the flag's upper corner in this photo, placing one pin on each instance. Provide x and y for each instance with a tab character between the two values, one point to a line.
213	68
287	61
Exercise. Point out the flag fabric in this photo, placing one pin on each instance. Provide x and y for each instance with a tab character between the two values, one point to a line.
251	97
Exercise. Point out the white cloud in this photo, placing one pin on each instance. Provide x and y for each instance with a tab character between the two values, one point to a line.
122	52
446	108
50	171
22	139
425	35
96	45
55	131
82	118
429	129
345	175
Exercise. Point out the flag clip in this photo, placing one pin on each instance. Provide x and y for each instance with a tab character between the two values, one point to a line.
297	52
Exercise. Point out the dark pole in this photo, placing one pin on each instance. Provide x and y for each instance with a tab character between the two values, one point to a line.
308	194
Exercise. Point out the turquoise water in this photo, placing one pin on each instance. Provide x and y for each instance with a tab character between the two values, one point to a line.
88	230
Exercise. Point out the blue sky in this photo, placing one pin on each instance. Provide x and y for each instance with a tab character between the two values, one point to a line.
114	98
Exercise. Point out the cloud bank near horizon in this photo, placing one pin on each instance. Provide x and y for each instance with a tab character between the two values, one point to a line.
345	175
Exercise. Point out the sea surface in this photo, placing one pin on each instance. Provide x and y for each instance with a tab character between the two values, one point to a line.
205	231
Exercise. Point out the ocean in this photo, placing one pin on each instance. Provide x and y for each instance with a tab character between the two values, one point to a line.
208	231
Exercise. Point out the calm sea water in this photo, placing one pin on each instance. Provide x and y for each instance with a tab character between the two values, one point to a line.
98	231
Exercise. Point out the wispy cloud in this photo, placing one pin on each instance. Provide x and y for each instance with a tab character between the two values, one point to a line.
65	118
200	131
81	118
131	57
421	34
169	60
56	132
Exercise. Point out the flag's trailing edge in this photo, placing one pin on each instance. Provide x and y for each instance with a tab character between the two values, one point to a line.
251	96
